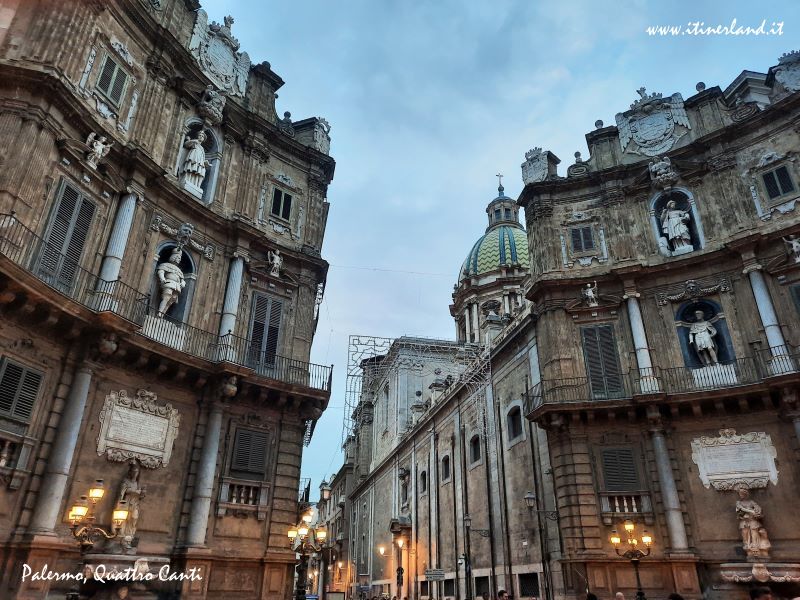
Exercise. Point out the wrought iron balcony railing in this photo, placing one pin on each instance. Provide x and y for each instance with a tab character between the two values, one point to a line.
64	275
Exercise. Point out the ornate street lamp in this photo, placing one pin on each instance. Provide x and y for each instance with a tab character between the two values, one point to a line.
468	525
305	540
633	553
82	517
530	502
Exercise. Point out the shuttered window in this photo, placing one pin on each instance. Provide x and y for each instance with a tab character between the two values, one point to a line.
619	470
582	239
19	388
265	324
249	458
281	204
66	238
602	362
112	81
778	182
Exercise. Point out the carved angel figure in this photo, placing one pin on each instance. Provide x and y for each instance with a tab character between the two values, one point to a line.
701	336
674	225
754	536
132	494
589	294
793	247
275	262
195	164
98	149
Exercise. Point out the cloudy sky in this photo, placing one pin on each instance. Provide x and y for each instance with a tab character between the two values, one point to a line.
429	99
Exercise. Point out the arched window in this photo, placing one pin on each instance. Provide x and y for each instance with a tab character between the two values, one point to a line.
423	482
445	468
475	448
514	421
676	222
212	148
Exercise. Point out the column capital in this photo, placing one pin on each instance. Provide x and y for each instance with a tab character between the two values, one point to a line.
241	253
750	266
656	421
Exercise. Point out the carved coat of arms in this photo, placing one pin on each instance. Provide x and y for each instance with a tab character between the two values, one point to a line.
787	73
216	50
653	123
535	166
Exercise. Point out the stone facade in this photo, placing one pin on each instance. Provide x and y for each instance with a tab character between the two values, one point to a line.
689	208
130	130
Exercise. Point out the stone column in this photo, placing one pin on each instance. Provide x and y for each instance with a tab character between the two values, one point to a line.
204	484
643	360
669	492
476	326
115	250
233	291
467	328
54	484
766	310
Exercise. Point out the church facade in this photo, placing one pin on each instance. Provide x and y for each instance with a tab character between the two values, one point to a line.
161	230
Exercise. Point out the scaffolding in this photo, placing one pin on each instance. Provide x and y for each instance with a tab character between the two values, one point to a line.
461	366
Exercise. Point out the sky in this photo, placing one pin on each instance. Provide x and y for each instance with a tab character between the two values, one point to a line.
429	99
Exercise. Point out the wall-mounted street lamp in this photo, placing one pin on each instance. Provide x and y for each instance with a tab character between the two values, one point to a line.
633	553
468	525
381	550
530	502
82	517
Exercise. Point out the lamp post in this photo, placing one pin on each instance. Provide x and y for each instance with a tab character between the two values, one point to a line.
82	517
305	540
400	570
633	553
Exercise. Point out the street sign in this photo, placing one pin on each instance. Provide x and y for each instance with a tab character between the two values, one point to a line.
312	597
434	574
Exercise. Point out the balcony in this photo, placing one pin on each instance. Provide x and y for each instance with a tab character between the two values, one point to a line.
242	497
24	248
618	506
582	392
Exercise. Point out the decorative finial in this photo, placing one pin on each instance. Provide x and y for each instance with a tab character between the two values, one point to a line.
641	91
598	124
500	187
700	86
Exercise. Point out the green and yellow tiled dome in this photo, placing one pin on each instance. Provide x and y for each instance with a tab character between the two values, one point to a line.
501	245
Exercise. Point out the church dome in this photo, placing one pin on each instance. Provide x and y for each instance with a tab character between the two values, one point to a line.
505	243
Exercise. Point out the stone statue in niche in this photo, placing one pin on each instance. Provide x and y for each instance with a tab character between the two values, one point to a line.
98	149
674	225
193	171
793	247
131	493
275	262
589	294
754	536
701	336
171	279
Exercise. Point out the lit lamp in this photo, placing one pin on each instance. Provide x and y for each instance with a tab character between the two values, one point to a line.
325	491
302	531
292	534
400	543
381	550
633	553
120	514
82	517
306	540
79	510
97	491
321	535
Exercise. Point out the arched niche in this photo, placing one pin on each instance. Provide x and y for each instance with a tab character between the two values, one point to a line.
684	201
712	312
178	312
212	145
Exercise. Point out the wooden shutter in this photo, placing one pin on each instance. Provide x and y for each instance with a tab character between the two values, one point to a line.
66	238
784	180
19	388
582	239
286	211
577	239
277	196
588	240
771	183
250	452
265	325
112	80
619	470
602	363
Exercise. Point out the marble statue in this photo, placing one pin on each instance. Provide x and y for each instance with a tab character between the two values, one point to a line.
98	149
674	225
793	247
754	536
132	493
171	279
701	336
589	294
275	262
322	136
193	171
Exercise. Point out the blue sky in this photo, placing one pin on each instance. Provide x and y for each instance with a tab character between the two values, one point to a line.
429	99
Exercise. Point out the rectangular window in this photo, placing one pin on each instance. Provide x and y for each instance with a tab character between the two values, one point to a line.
508	213
423	588
65	239
265	324
19	388
582	239
619	470
481	586
796	296
112	81
529	585
249	459
281	204
778	182
449	587
602	362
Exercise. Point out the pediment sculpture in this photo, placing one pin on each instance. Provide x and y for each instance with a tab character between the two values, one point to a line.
534	168
216	51
654	124
787	72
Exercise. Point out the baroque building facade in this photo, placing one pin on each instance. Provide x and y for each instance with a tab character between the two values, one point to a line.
160	269
664	288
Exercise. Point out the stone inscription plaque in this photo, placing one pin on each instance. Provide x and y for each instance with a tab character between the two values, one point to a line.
735	460
137	428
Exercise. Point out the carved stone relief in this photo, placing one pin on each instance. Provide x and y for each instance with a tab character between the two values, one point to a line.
734	460
183	234
787	73
654	124
692	289
216	51
534	168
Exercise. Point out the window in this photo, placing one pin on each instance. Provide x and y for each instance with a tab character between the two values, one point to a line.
602	363
497	214
475	448
529	585
423	482
66	238
249	459
778	182
445	468
265	324
423	588
619	470
582	239
481	586
796	296
514	420
508	213
281	204
404	492
449	587
19	388
112	81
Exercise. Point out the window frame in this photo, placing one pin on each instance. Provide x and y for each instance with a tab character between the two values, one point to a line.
479	459
107	93
11	414
283	209
581	229
635	459
783	196
423	482
607	376
262	352
446	463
